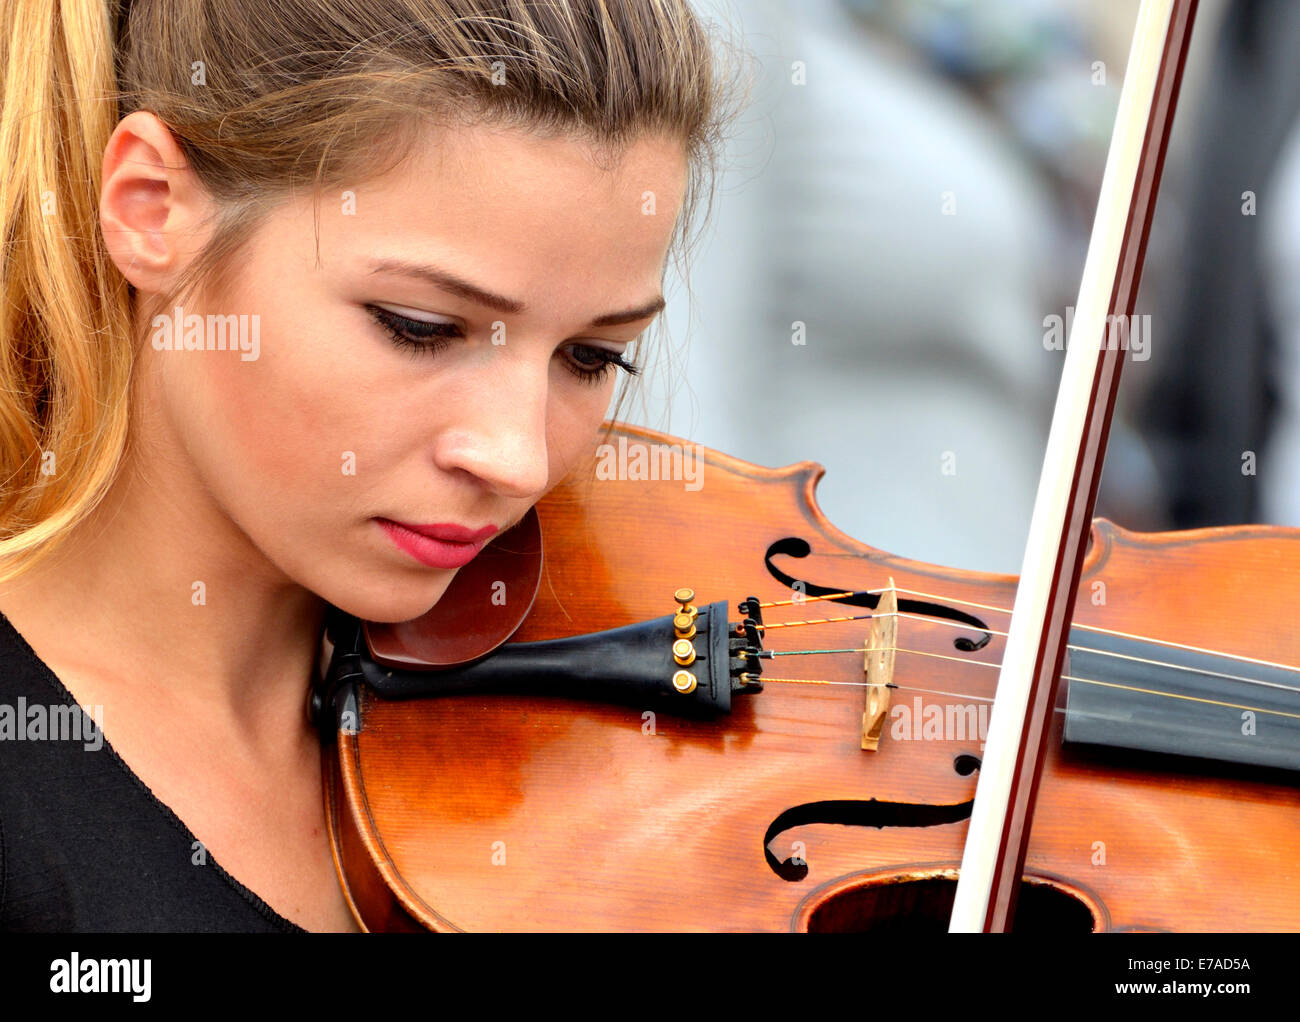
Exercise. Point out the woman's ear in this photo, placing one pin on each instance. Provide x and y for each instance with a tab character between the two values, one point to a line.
152	209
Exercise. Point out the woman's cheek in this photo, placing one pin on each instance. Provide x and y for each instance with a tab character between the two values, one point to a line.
259	429
575	428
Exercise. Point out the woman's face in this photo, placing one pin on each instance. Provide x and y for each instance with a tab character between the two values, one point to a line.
514	273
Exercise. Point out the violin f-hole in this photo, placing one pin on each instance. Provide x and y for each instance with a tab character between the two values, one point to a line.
854	813
793	546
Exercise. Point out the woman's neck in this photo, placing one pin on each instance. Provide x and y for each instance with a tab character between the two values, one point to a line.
158	593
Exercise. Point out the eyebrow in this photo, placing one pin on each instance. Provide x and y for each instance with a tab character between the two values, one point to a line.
471	292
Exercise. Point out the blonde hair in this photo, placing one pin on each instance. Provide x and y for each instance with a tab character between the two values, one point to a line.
265	100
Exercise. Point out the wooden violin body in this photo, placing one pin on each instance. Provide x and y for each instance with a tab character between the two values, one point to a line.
509	812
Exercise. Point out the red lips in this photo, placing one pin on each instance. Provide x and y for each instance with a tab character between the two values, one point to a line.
451	533
442	545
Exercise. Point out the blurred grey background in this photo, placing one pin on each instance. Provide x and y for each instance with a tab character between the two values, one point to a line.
915	182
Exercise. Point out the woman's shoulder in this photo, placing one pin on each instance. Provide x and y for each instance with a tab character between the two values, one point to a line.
30	695
48	778
35	707
84	844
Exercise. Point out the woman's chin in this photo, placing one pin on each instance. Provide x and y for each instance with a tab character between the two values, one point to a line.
392	603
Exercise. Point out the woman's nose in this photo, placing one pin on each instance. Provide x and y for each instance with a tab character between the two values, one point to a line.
499	434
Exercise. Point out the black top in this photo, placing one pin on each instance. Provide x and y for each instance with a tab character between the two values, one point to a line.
84	844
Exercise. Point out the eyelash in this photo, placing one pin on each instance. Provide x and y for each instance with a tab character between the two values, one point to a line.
427	338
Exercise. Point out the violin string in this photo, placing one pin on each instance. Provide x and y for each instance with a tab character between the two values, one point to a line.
1003	610
814	621
1091	714
876	649
990	663
1100	652
1177	695
806	599
1195	670
1117	634
989	699
940	692
993	631
768	654
1112	716
747	676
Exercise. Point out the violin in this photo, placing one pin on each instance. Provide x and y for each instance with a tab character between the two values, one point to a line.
662	705
833	791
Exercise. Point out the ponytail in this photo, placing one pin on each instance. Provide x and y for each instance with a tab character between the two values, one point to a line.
65	313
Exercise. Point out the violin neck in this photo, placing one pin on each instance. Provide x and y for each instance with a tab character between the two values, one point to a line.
1175	700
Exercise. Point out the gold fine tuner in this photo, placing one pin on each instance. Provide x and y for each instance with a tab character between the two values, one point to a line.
684	652
684	619
683	648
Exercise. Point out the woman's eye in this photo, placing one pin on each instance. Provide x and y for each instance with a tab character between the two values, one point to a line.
592	364
589	362
414	335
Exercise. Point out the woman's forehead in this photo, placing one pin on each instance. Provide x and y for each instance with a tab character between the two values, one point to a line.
517	215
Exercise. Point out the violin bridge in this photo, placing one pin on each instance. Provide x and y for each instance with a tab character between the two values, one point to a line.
879	666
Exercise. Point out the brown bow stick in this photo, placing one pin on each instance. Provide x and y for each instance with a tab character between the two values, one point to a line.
998	837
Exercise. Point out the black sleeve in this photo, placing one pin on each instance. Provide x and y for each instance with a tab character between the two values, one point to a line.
3	875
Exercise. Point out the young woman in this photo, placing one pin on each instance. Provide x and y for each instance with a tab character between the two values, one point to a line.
303	302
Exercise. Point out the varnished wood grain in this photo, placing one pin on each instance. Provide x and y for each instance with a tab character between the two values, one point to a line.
512	813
